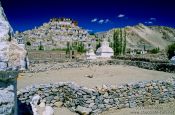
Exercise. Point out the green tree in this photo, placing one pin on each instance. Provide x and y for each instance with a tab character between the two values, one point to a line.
81	48
41	47
68	47
124	43
119	42
155	50
98	45
171	50
116	44
28	43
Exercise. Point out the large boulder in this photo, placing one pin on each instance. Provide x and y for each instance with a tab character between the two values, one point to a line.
11	54
83	110
5	28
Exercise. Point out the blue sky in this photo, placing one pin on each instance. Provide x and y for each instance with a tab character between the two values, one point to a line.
94	15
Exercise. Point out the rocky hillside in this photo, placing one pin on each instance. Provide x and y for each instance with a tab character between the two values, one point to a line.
55	34
141	36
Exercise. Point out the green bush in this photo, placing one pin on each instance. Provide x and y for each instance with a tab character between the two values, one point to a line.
28	43
41	47
155	51
81	48
171	50
59	49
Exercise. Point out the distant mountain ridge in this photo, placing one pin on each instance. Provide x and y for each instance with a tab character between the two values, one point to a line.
57	32
141	36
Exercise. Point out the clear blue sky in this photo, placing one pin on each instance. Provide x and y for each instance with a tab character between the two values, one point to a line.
95	15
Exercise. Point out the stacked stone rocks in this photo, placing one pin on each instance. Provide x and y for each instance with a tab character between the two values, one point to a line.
92	101
166	67
8	104
12	58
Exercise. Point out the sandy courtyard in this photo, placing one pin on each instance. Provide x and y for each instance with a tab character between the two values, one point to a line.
110	74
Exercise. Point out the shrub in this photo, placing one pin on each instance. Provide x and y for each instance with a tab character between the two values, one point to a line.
28	43
155	51
171	50
41	47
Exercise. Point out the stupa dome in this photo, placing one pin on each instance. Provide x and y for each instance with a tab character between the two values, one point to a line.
90	55
105	50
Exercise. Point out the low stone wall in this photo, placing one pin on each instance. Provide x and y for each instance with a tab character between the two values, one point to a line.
166	67
50	56
92	101
8	105
154	58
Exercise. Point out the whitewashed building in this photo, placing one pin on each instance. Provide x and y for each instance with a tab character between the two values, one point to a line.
173	60
105	51
90	55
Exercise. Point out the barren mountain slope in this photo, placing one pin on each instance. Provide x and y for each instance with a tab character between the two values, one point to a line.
140	35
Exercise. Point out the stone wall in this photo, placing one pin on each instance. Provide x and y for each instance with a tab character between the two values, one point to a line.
50	56
46	55
91	101
8	105
166	67
156	58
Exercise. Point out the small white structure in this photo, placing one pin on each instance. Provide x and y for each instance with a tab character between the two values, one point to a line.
173	60
36	106
48	111
90	55
105	51
35	100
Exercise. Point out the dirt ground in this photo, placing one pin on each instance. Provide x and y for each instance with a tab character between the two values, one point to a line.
110	74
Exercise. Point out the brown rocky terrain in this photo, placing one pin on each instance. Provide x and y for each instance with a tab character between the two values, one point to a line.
140	36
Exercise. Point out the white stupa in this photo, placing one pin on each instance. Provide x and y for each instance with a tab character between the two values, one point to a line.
105	51
90	55
173	60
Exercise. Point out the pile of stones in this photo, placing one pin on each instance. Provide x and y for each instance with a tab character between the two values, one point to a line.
8	92
92	101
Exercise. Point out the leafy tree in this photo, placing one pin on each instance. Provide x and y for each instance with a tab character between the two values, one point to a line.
98	45
28	43
121	42
81	48
155	50
119	45
68	47
116	45
124	43
41	47
171	50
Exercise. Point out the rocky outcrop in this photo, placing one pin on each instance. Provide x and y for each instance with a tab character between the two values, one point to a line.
5	28
12	56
